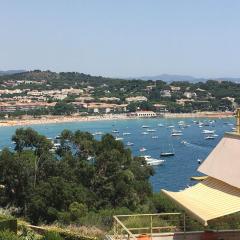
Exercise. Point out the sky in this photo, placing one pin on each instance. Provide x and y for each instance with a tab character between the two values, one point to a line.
124	38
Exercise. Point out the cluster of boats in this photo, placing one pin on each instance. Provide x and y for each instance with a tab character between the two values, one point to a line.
175	131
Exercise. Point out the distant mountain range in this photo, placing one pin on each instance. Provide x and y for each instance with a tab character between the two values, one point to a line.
9	72
164	77
175	77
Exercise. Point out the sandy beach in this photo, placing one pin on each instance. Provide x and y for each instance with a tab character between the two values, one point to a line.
63	119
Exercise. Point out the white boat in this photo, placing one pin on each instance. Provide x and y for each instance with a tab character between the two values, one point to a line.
199	161
126	133
118	138
145	126
98	133
176	131
130	144
160	125
169	152
145	133
151	130
176	134
209	137
153	161
142	149
208	131
170	126
184	142
115	131
154	137
181	123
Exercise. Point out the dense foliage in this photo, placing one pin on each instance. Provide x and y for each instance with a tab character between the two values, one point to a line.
83	175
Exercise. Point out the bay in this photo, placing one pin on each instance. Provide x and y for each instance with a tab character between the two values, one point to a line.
177	170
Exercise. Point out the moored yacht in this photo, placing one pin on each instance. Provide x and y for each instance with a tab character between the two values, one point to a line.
153	161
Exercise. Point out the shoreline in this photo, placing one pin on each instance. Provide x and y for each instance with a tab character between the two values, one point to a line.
107	117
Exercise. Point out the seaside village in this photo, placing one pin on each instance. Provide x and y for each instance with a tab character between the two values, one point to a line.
14	98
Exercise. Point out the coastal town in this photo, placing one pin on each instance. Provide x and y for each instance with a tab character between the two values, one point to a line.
35	94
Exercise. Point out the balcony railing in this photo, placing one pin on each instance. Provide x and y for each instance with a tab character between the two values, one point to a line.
138	226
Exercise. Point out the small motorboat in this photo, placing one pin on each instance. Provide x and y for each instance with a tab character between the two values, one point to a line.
176	131
208	131
209	137
98	133
167	154
130	144
184	142
176	134
153	161
154	137
145	133
118	138
142	149
115	131
160	125
145	126
151	130
126	133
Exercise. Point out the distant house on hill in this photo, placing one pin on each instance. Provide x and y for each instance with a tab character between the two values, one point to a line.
183	101
165	93
109	99
174	88
190	95
160	107
104	107
136	99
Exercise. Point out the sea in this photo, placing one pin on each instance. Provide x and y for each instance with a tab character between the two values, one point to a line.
189	148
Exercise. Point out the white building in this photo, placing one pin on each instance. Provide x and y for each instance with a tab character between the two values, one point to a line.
190	95
145	114
136	99
165	93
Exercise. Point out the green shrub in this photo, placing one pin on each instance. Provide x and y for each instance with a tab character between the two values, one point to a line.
52	236
7	223
6	235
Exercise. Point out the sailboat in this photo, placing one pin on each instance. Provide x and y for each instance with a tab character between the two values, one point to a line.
168	153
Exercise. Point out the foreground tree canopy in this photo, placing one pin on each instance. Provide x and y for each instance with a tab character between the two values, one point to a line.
82	175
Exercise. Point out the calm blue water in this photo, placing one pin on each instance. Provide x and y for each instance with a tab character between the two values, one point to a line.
176	172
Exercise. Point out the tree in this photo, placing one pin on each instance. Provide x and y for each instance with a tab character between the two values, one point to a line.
63	108
83	175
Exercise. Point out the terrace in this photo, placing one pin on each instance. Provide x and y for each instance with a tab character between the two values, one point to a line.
165	226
